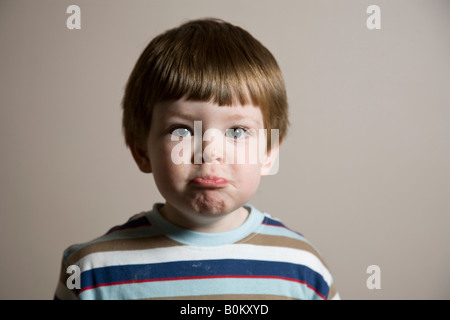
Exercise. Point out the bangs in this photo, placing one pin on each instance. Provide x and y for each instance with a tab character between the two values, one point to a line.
213	63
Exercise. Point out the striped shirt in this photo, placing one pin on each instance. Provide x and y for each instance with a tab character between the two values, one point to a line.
150	258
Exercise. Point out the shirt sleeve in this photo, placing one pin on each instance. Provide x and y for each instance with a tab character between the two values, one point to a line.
66	279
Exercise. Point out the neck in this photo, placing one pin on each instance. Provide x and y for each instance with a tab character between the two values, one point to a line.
203	222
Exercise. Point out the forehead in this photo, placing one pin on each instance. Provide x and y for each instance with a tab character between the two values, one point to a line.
198	110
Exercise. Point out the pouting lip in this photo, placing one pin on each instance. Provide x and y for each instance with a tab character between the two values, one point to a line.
209	181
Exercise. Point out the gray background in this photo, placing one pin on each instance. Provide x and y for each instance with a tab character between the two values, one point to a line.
364	172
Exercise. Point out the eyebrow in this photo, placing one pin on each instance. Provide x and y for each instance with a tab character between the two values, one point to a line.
182	115
239	117
191	118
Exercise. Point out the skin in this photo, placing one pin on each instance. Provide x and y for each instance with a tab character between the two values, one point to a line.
207	195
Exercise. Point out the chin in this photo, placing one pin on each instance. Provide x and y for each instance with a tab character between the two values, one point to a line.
209	205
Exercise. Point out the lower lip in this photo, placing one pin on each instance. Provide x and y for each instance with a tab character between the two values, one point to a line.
206	182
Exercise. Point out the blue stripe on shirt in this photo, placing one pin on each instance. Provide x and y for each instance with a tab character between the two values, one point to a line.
202	287
203	269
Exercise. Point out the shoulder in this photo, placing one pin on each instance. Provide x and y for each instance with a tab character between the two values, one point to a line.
284	244
118	238
276	232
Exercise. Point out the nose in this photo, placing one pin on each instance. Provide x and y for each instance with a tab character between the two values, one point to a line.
209	148
212	153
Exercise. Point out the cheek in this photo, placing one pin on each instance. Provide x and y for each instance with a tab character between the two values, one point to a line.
248	151
166	172
248	176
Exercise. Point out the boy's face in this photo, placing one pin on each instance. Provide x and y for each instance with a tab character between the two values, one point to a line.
204	157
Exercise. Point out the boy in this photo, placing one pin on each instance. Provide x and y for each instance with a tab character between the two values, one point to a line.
212	79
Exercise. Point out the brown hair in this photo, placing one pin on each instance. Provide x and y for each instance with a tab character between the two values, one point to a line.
207	60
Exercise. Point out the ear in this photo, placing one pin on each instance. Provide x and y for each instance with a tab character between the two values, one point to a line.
271	162
141	158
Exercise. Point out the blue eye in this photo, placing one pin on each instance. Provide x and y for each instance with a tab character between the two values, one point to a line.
236	133
181	132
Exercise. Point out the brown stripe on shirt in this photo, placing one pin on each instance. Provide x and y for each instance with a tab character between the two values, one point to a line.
142	243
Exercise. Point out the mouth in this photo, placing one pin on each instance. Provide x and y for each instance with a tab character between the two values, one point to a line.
210	182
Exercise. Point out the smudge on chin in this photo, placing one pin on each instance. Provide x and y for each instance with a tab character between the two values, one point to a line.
206	203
